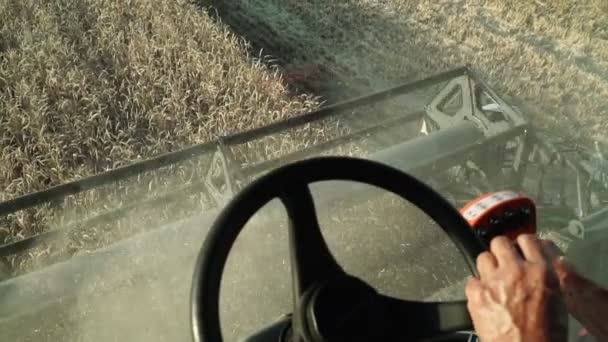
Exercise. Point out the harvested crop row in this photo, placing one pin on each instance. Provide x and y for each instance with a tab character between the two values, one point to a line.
550	57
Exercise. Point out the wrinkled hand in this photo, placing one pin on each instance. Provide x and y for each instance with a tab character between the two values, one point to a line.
555	258
517	296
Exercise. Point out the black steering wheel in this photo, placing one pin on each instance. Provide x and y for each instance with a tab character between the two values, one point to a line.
329	304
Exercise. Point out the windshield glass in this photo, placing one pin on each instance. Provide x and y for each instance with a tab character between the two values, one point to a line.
125	127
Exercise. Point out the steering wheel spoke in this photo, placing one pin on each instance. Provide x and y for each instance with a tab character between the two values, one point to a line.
311	260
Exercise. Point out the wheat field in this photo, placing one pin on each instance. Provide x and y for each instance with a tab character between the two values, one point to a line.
88	86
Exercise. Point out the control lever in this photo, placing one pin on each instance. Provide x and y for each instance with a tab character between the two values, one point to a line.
505	213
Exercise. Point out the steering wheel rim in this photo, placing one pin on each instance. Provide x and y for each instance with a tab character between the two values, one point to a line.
279	183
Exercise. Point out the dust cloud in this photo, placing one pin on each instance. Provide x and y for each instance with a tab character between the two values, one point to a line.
138	289
88	287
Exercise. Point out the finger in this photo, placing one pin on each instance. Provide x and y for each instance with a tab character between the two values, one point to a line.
473	290
486	264
504	251
550	250
531	248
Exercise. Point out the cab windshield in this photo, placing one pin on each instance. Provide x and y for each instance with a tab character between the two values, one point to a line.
127	126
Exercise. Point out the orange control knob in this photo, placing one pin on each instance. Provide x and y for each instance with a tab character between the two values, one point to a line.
505	213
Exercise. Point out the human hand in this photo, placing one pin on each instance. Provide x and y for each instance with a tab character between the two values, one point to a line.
517	296
555	257
585	300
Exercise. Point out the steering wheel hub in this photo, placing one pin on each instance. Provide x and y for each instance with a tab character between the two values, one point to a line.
331	310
